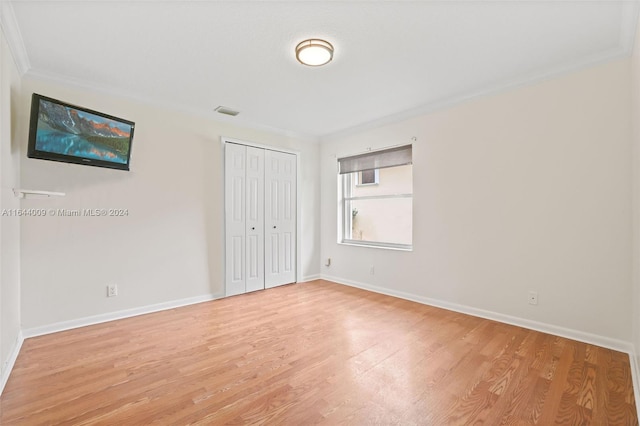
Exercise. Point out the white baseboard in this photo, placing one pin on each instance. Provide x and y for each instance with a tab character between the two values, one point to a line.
635	376
111	316
581	336
8	366
310	278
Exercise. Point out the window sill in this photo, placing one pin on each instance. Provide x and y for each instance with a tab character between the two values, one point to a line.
355	243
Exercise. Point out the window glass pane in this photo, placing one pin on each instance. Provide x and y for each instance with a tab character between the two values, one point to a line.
385	220
381	213
391	181
368	177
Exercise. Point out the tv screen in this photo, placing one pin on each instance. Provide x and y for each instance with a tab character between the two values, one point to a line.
62	132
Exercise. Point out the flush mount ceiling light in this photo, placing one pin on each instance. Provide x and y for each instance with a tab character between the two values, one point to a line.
314	52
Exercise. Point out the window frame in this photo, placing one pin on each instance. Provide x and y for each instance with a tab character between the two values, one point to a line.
376	178
346	214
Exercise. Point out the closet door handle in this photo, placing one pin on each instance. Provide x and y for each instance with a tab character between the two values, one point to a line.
274	227
253	228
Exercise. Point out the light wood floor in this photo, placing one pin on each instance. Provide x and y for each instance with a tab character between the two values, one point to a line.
311	353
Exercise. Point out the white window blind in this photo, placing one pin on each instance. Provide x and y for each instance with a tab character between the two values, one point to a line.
391	157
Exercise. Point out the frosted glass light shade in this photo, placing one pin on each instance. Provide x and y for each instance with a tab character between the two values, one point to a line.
314	52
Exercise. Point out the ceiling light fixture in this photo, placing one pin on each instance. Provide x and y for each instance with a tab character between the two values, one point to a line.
314	52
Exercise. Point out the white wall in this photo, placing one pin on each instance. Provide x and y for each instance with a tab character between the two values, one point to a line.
170	247
9	225
635	160
524	190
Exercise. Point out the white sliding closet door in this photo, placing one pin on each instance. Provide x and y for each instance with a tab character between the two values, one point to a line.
260	218
280	218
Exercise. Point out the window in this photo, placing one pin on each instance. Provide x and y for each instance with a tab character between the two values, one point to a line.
376	200
368	177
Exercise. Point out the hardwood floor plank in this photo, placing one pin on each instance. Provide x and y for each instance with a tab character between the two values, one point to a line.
314	353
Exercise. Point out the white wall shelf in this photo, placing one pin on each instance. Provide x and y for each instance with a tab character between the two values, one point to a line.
33	193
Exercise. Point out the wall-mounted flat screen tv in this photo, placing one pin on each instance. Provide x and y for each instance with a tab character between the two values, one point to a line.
62	132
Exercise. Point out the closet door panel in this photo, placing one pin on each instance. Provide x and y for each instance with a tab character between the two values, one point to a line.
255	219
235	219
280	219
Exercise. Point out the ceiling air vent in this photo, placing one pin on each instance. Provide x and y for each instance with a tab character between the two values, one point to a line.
227	111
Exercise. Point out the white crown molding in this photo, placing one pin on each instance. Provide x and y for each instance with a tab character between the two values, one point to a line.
581	336
12	33
628	25
482	92
628	28
232	122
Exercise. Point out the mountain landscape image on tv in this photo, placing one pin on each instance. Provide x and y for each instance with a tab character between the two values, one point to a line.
62	132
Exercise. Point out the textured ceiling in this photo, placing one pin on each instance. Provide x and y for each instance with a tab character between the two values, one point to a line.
392	59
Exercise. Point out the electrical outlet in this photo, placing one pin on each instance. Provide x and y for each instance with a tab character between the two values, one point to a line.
328	262
533	298
112	290
372	270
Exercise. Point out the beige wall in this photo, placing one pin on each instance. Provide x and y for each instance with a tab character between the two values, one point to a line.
524	190
10	92
170	246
